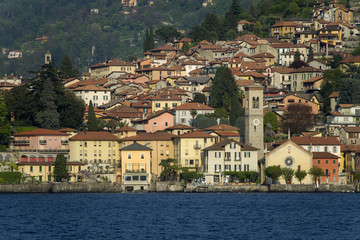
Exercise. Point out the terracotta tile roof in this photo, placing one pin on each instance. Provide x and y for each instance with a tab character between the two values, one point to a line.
141	104
314	79
283	45
346	105
352	129
154	114
241	54
206	89
306	69
354	59
186	40
313	141
180	127
324	155
165	97
122	129
156	136
190	62
283	70
263	55
7	84
67	130
334	94
222	127
195	134
242	83
94	136
252	66
90	81
195	106
40	132
135	147
286	24
228	134
335	113
91	88
116	62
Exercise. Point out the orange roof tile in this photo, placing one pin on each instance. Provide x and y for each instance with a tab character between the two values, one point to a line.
195	106
40	132
94	136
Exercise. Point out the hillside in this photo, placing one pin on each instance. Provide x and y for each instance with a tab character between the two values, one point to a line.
91	31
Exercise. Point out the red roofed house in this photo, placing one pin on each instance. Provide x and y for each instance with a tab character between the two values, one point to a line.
155	121
183	112
102	70
36	151
98	95
330	164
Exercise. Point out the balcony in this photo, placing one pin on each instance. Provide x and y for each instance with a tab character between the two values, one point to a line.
135	170
21	143
42	150
226	158
197	146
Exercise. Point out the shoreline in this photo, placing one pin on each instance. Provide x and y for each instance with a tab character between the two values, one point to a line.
167	187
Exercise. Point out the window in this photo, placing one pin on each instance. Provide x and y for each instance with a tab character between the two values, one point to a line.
129	166
128	178
334	162
142	155
174	104
217	154
318	161
227	156
334	150
246	167
135	178
237	156
129	155
191	162
142	167
247	154
183	120
217	168
142	178
227	167
232	145
237	168
155	124
325	149
186	152
31	168
326	161
40	178
40	168
183	113
157	105
186	162
49	168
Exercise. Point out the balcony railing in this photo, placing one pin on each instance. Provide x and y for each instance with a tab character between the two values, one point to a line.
42	150
197	146
135	170
226	158
21	143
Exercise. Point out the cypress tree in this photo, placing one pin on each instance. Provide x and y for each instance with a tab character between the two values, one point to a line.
151	38
236	109
60	171
66	69
92	123
311	54
146	41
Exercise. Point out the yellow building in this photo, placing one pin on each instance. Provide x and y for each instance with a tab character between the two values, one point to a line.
124	132
44	171
289	155
136	167
164	102
188	146
330	35
161	144
285	29
96	149
102	70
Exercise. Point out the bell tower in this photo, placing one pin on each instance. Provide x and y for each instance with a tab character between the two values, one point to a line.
48	57
254	118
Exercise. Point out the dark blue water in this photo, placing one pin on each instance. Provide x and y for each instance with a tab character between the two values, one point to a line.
179	216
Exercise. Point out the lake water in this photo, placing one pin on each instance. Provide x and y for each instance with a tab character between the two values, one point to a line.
180	216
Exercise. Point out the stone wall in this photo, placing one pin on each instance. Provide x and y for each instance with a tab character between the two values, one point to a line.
168	187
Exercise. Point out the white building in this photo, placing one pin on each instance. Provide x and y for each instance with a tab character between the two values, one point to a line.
98	95
228	155
183	112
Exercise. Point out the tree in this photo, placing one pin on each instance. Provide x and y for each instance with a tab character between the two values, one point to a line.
48	117
199	98
349	91
316	172
92	123
146	43
151	38
5	127
193	114
356	51
188	176
310	55
201	121
223	88
232	16
298	117
71	109
300	175
236	110
287	174
271	118
167	33
170	169
298	64
60	169
273	172
67	69
297	56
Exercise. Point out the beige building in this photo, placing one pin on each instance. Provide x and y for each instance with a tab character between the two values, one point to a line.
161	144
187	149
98	150
135	167
289	155
102	70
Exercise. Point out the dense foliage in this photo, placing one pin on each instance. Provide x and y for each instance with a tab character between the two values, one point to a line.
10	177
60	169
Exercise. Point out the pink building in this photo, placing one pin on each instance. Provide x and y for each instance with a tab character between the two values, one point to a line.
40	145
155	121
